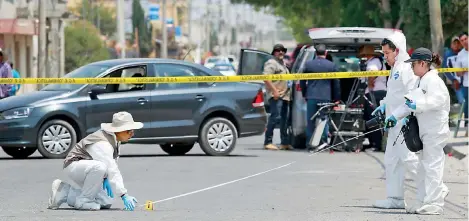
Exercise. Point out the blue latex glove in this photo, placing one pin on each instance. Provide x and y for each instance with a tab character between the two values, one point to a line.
390	122
129	202
107	187
411	104
381	109
405	120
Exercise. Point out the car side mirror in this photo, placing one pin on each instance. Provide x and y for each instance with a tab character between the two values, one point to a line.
95	90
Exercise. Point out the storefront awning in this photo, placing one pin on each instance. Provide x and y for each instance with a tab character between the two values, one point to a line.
18	27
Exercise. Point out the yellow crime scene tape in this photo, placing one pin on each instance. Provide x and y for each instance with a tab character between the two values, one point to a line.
183	79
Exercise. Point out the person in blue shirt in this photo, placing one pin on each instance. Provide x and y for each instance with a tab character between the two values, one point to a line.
449	60
15	74
318	91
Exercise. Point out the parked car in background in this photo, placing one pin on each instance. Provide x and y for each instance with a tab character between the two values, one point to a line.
226	69
211	61
175	115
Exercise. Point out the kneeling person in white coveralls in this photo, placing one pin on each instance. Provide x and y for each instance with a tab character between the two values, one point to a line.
430	102
91	173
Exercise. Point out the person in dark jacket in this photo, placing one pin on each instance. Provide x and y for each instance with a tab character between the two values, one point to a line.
319	91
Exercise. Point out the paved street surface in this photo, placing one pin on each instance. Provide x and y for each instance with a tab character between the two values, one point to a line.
339	186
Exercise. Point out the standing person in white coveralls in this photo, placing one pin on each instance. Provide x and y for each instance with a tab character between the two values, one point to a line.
92	175
397	158
430	102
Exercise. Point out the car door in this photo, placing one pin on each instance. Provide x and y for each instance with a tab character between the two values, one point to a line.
298	105
176	107
252	62
113	98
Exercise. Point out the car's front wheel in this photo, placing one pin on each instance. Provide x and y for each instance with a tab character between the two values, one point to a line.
176	149
218	137
56	138
19	152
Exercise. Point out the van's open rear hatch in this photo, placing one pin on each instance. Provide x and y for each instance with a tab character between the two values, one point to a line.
340	37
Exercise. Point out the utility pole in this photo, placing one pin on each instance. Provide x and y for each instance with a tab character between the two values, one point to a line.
164	42
189	21
120	26
208	19
436	26
42	40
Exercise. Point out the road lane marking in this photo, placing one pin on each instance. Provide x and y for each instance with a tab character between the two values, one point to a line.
222	184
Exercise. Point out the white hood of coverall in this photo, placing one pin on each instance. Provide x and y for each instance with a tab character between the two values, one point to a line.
402	78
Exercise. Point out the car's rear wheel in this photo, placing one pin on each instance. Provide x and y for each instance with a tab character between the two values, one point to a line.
176	149
218	137
19	152
56	138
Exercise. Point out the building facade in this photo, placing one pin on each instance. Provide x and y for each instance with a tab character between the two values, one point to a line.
19	41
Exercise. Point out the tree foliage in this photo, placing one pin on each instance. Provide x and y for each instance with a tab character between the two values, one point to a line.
83	45
411	16
144	33
102	17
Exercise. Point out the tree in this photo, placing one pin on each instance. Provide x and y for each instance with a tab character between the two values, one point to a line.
411	16
144	33
233	36
213	40
102	17
417	23
435	26
83	45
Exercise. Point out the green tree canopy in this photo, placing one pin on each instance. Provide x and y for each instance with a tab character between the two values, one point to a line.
102	17
83	45
411	16
144	33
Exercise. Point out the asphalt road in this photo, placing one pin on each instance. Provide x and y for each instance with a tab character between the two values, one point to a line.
252	184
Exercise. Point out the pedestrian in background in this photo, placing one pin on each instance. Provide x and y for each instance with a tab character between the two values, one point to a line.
449	61
462	62
5	72
319	91
278	95
16	87
375	92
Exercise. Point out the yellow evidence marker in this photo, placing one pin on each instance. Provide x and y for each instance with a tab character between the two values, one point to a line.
148	205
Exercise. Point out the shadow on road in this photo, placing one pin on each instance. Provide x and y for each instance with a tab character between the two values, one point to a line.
137	156
414	190
368	207
29	158
186	155
456	144
387	212
102	210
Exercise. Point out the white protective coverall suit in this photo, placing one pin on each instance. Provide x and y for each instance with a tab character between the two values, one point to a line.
82	187
432	112
397	158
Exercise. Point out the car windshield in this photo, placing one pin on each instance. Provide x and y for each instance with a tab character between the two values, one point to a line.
346	63
87	71
223	68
